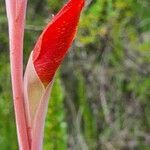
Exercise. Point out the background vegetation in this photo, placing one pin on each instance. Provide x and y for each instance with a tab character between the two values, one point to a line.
100	99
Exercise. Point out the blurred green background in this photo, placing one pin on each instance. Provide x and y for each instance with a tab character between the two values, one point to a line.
100	99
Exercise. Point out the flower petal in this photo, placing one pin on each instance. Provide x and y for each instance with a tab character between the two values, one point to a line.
55	40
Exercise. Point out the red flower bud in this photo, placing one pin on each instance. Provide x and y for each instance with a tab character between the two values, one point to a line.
55	40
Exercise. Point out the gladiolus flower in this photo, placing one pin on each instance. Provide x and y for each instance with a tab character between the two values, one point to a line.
55	40
44	60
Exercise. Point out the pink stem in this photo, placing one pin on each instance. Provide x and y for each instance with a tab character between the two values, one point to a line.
16	33
17	86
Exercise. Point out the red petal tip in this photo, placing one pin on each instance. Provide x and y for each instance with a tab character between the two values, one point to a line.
55	40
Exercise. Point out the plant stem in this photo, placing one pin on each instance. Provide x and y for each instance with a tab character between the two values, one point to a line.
16	18
16	57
